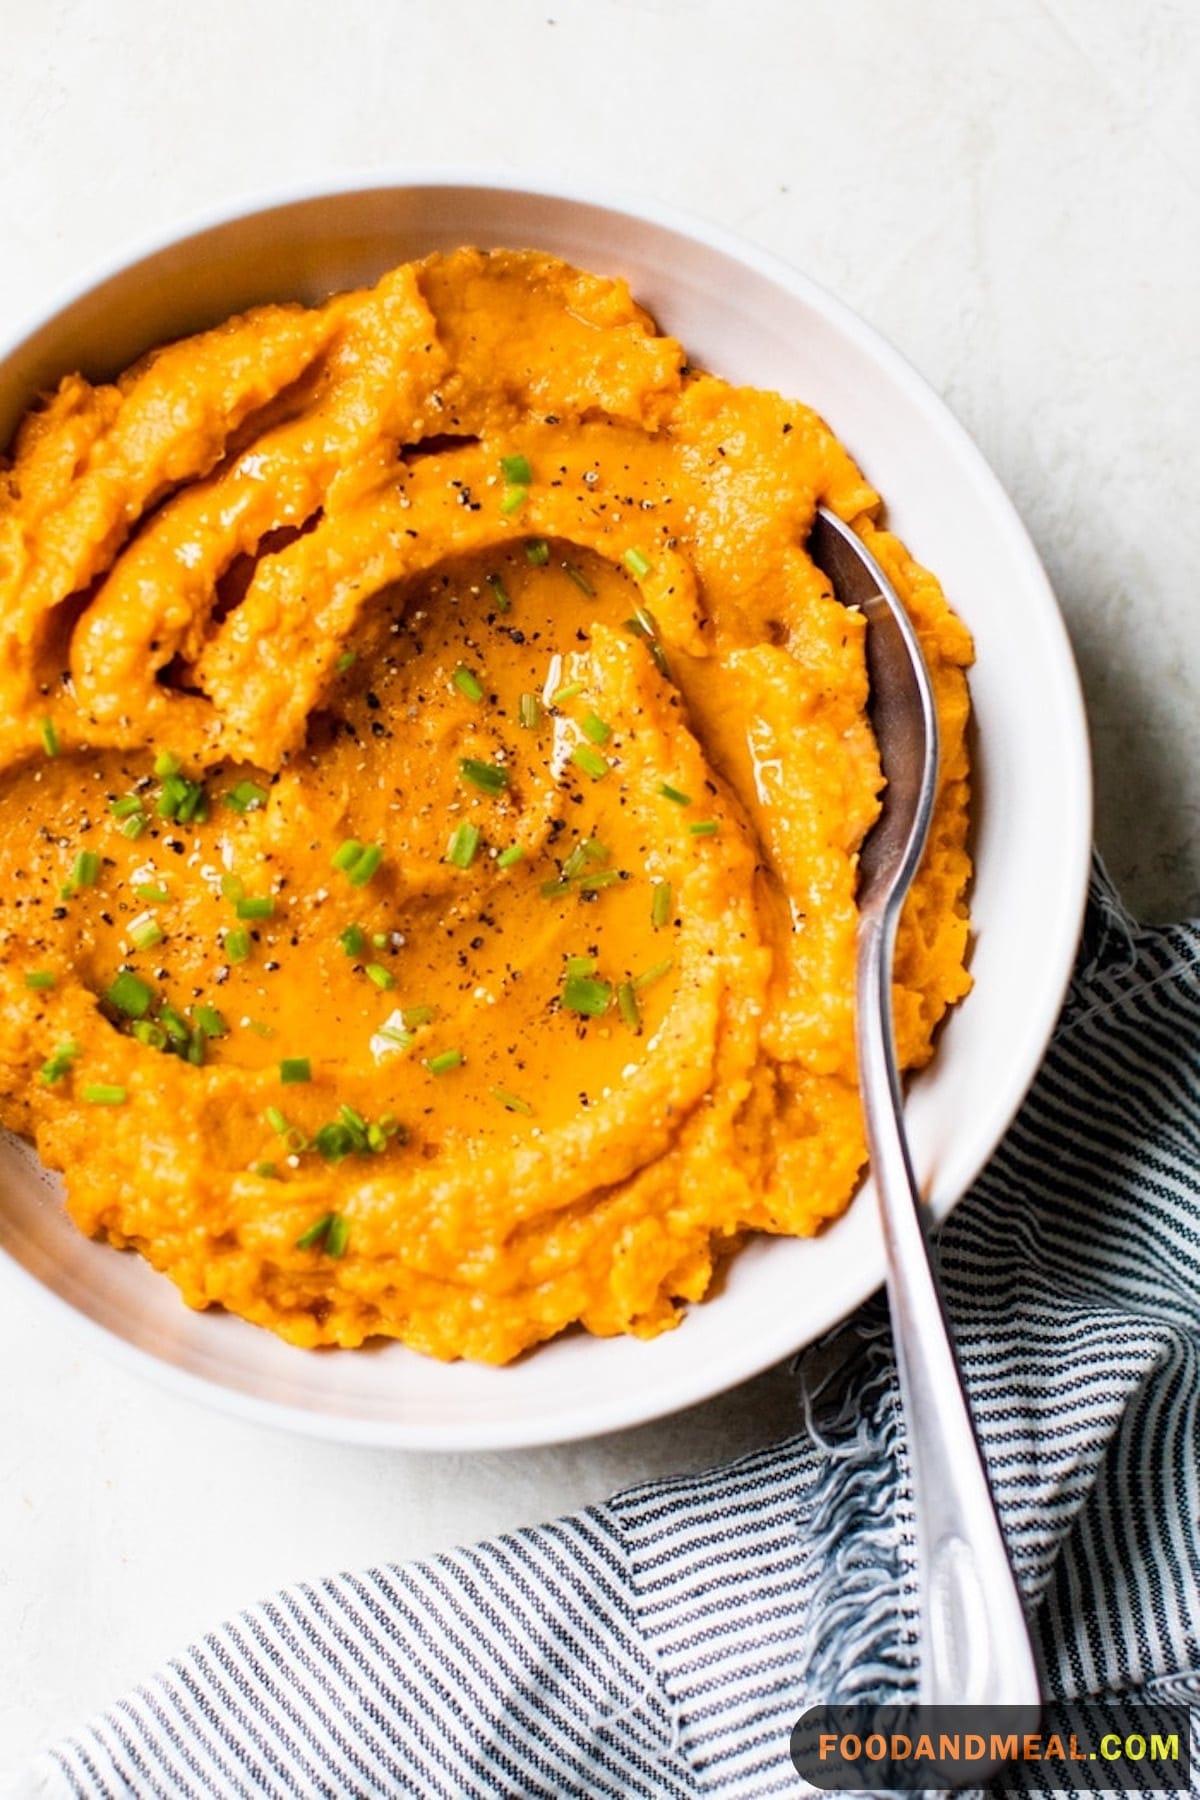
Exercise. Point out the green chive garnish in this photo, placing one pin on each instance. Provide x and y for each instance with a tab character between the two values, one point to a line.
513	499
246	797
148	1033
412	1016
237	946
174	1024
444	1062
266	1171
590	761
580	579
316	1234
662	905
345	661
146	935
537	552
595	728
571	690
130	995
353	940
644	625
487	776
529	711
383	978
334	1142
628	1006
85	871
500	593
584	994
365	865
516	468
49	737
158	895
653	974
41	980
210	1021
581	965
508	859
704	828
381	939
637	564
587	852
276	1121
554	890
134	825
513	1102
295	1069
670	793
125	806
165	764
60	1063
603	878
338	1236
467	683
462	846
347	854
255	906
103	1093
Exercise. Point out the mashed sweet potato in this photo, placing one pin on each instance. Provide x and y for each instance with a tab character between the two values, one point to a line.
431	779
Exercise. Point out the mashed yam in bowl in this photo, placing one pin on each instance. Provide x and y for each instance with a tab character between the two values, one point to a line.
432	774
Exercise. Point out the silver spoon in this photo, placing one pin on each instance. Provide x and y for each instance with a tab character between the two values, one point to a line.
974	1640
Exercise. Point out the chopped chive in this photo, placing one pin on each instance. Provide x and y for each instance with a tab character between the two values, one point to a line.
197	1049
581	965
570	692
637	564
516	468
377	1138
595	728
146	935
237	946
104	1093
130	995
255	906
467	683
628	1006
365	866
134	825
554	890
584	994
259	1029
672	793
353	1119
586	852
487	776
58	1065
165	764
513	499
347	854
383	978
653	974
381	939
316	1234
644	625
603	878
462	846
537	552
394	1037
508	859
334	1142
529	711
444	1061
127	804
49	737
338	1236
413	1016
580	579
704	828
500	593
266	1171
210	1021
352	940
345	661
513	1102
661	905
294	1069
85	870
246	796
590	761
276	1120
175	1026
146	891
42	980
150	1033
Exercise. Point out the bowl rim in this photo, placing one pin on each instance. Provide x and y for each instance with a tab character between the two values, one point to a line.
1062	921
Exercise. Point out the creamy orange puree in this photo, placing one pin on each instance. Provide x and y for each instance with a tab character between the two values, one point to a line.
346	1036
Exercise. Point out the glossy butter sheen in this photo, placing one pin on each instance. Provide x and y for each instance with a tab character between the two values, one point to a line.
286	553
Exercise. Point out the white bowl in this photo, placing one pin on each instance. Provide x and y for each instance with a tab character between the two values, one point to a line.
751	320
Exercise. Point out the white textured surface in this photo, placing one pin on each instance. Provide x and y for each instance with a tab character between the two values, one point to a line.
1008	192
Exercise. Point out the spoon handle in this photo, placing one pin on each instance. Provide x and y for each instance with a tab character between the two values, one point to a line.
975	1645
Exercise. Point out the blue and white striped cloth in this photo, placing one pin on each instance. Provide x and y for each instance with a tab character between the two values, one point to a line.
662	1645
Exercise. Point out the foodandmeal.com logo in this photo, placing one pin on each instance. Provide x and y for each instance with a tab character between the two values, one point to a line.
1085	1746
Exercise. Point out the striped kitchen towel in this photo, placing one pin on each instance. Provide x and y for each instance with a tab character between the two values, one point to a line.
663	1644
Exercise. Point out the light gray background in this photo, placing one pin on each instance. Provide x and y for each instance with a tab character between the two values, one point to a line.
1006	189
